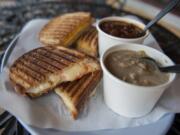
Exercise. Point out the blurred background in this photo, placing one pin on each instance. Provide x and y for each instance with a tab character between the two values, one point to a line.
114	3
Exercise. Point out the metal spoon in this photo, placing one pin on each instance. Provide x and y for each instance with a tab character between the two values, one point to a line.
163	12
170	69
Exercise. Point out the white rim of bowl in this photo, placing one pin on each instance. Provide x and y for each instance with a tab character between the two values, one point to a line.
130	84
128	20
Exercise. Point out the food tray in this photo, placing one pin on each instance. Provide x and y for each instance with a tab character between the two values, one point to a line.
13	19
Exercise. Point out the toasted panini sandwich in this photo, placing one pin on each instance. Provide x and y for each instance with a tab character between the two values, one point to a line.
75	94
41	69
65	29
88	42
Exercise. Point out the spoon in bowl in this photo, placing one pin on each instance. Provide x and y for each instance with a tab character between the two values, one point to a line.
155	65
162	13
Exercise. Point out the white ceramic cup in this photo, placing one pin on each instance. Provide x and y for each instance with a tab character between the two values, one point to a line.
105	40
128	99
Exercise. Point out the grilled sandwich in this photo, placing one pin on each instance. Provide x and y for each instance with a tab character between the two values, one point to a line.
75	94
42	69
88	42
65	29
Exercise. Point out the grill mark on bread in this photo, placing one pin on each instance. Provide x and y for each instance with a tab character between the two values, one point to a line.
30	68
78	86
35	67
90	88
64	56
56	57
46	65
75	55
29	72
69	55
87	36
92	37
58	35
72	21
62	26
74	86
65	28
88	42
19	75
95	41
56	61
18	80
47	60
69	86
37	63
76	97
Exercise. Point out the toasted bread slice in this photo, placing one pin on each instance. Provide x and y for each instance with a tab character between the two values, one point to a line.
75	94
41	69
64	29
88	42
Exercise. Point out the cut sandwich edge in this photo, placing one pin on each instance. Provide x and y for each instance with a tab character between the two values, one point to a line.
67	101
74	72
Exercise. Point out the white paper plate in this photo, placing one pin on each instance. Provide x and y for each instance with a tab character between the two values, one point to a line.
147	120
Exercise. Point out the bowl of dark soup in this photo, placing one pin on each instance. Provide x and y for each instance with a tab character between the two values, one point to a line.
114	30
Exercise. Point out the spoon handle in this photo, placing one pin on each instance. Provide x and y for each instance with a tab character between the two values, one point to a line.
172	69
163	12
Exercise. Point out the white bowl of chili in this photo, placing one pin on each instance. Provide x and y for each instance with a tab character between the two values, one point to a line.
114	30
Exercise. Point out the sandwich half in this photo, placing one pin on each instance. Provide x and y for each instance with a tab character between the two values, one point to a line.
88	42
75	94
65	29
42	69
